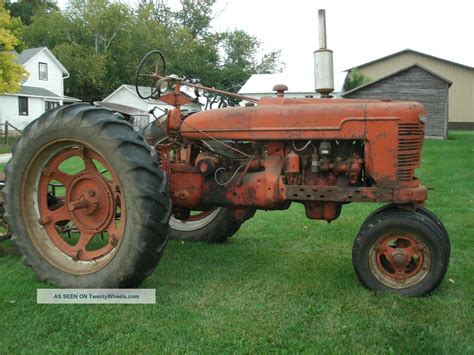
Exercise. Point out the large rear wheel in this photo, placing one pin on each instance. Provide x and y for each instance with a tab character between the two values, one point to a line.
87	205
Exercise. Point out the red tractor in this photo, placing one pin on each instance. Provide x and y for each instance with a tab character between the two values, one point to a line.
90	204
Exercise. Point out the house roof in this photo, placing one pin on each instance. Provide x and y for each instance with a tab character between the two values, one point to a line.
28	54
408	50
34	91
396	73
41	92
70	98
263	83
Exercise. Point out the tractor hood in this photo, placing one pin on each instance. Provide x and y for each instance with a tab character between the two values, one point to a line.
297	119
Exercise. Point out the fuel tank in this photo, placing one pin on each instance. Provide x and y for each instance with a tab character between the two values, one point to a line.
294	119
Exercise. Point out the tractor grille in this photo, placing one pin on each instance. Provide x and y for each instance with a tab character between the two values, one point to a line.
410	141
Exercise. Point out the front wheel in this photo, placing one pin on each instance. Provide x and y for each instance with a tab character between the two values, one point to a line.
401	252
86	204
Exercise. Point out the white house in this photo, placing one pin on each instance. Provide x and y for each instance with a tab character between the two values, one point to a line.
127	95
299	86
42	91
261	85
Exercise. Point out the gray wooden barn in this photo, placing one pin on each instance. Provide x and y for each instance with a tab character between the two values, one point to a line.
413	83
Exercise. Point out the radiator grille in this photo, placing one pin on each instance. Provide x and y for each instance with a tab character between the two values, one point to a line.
410	141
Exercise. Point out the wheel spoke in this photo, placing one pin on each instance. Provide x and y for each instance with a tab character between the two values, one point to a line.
409	251
64	178
89	163
58	215
81	245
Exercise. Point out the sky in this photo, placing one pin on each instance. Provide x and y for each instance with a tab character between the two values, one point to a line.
358	31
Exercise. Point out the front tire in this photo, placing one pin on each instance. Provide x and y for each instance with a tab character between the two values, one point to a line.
401	252
86	204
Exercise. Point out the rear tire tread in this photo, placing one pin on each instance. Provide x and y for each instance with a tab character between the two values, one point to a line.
148	204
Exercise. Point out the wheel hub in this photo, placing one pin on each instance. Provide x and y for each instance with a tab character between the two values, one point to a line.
90	202
399	260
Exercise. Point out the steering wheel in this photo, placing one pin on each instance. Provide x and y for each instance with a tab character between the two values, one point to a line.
151	67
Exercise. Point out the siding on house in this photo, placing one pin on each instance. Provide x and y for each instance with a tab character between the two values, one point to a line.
126	95
261	85
127	98
414	83
9	110
461	93
55	75
38	92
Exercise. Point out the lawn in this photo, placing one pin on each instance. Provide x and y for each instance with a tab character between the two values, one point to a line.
282	283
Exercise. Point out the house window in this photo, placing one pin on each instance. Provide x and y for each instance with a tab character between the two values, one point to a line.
23	106
43	71
49	105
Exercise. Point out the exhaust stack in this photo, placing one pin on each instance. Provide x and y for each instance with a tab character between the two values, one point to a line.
323	64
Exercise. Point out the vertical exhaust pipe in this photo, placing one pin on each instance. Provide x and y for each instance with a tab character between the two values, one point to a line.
322	29
323	63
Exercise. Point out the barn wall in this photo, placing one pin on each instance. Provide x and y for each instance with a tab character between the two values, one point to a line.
461	93
414	84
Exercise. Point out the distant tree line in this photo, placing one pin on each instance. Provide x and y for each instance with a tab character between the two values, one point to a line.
11	73
100	42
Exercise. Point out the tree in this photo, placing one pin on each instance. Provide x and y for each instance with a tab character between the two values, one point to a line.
102	41
355	79
11	73
25	9
196	16
240	59
91	39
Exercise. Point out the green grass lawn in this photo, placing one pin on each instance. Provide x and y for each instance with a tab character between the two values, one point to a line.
282	283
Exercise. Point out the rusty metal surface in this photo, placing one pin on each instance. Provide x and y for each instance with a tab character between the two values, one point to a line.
389	136
89	204
354	194
127	110
399	260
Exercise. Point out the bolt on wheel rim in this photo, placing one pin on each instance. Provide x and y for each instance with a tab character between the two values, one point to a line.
399	260
90	207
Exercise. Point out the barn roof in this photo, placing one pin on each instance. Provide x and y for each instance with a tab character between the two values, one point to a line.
408	50
396	73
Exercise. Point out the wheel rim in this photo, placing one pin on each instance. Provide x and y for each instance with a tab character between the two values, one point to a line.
77	220
399	260
194	222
